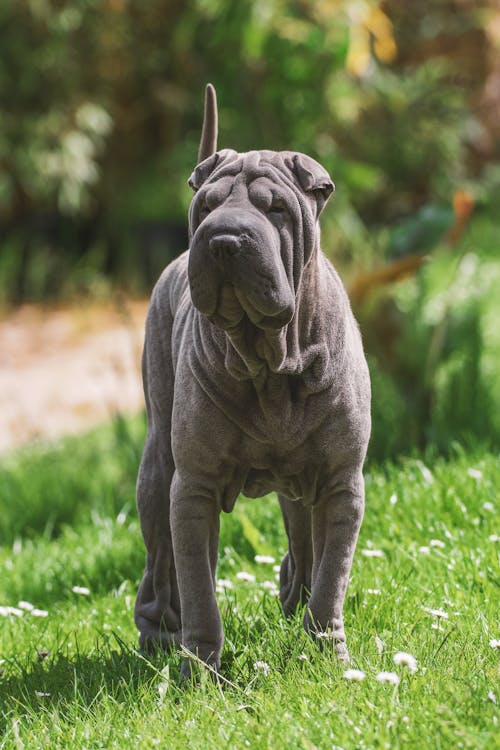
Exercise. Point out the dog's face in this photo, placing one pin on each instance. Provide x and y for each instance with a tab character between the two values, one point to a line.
253	227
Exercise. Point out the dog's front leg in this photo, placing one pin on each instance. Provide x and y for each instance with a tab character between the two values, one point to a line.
335	526
194	518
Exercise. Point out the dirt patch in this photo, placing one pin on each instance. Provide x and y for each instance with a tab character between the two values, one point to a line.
64	370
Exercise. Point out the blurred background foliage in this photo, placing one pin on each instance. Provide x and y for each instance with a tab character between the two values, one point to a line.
101	106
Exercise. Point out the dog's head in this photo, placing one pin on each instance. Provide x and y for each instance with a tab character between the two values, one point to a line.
253	227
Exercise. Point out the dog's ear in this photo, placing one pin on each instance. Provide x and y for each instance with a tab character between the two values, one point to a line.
313	179
203	171
208	166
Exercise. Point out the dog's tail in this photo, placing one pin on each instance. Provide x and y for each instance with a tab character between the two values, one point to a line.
208	142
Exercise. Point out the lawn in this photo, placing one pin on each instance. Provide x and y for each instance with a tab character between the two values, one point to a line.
425	581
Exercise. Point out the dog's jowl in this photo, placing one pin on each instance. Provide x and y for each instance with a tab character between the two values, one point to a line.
255	380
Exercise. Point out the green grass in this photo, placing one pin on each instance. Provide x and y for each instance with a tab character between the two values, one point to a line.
67	518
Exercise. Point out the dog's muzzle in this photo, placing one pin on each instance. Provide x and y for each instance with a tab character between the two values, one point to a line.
236	272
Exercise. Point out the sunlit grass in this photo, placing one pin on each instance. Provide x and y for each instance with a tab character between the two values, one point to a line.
424	582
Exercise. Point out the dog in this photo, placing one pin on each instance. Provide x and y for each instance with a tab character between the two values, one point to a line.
255	380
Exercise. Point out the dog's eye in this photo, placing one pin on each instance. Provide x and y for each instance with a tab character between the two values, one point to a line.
277	207
203	211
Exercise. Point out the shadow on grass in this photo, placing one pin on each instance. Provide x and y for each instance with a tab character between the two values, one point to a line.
118	670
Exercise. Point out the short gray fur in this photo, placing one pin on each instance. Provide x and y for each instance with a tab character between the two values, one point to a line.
255	380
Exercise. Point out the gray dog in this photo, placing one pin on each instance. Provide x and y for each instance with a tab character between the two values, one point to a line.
255	380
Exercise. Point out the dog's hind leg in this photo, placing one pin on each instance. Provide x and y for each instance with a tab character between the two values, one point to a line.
157	608
296	566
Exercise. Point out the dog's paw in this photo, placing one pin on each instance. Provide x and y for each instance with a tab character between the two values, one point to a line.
162	640
332	637
195	671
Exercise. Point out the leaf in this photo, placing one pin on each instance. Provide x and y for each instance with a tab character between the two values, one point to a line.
420	232
252	534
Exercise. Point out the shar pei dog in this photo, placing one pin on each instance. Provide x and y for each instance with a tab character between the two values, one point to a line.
255	380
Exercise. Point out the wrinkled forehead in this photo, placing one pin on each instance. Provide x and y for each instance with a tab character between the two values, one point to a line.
252	165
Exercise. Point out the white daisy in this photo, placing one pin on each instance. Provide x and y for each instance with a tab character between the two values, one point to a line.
6	611
82	590
354	674
242	575
475	473
401	658
262	666
391	677
225	583
437	543
436	612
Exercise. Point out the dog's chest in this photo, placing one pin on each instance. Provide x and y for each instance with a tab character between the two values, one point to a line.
284	466
260	482
281	413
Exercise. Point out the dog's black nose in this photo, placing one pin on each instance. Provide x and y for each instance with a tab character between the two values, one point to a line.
224	245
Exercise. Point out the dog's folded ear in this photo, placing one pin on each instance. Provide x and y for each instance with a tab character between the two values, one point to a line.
313	179
208	166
